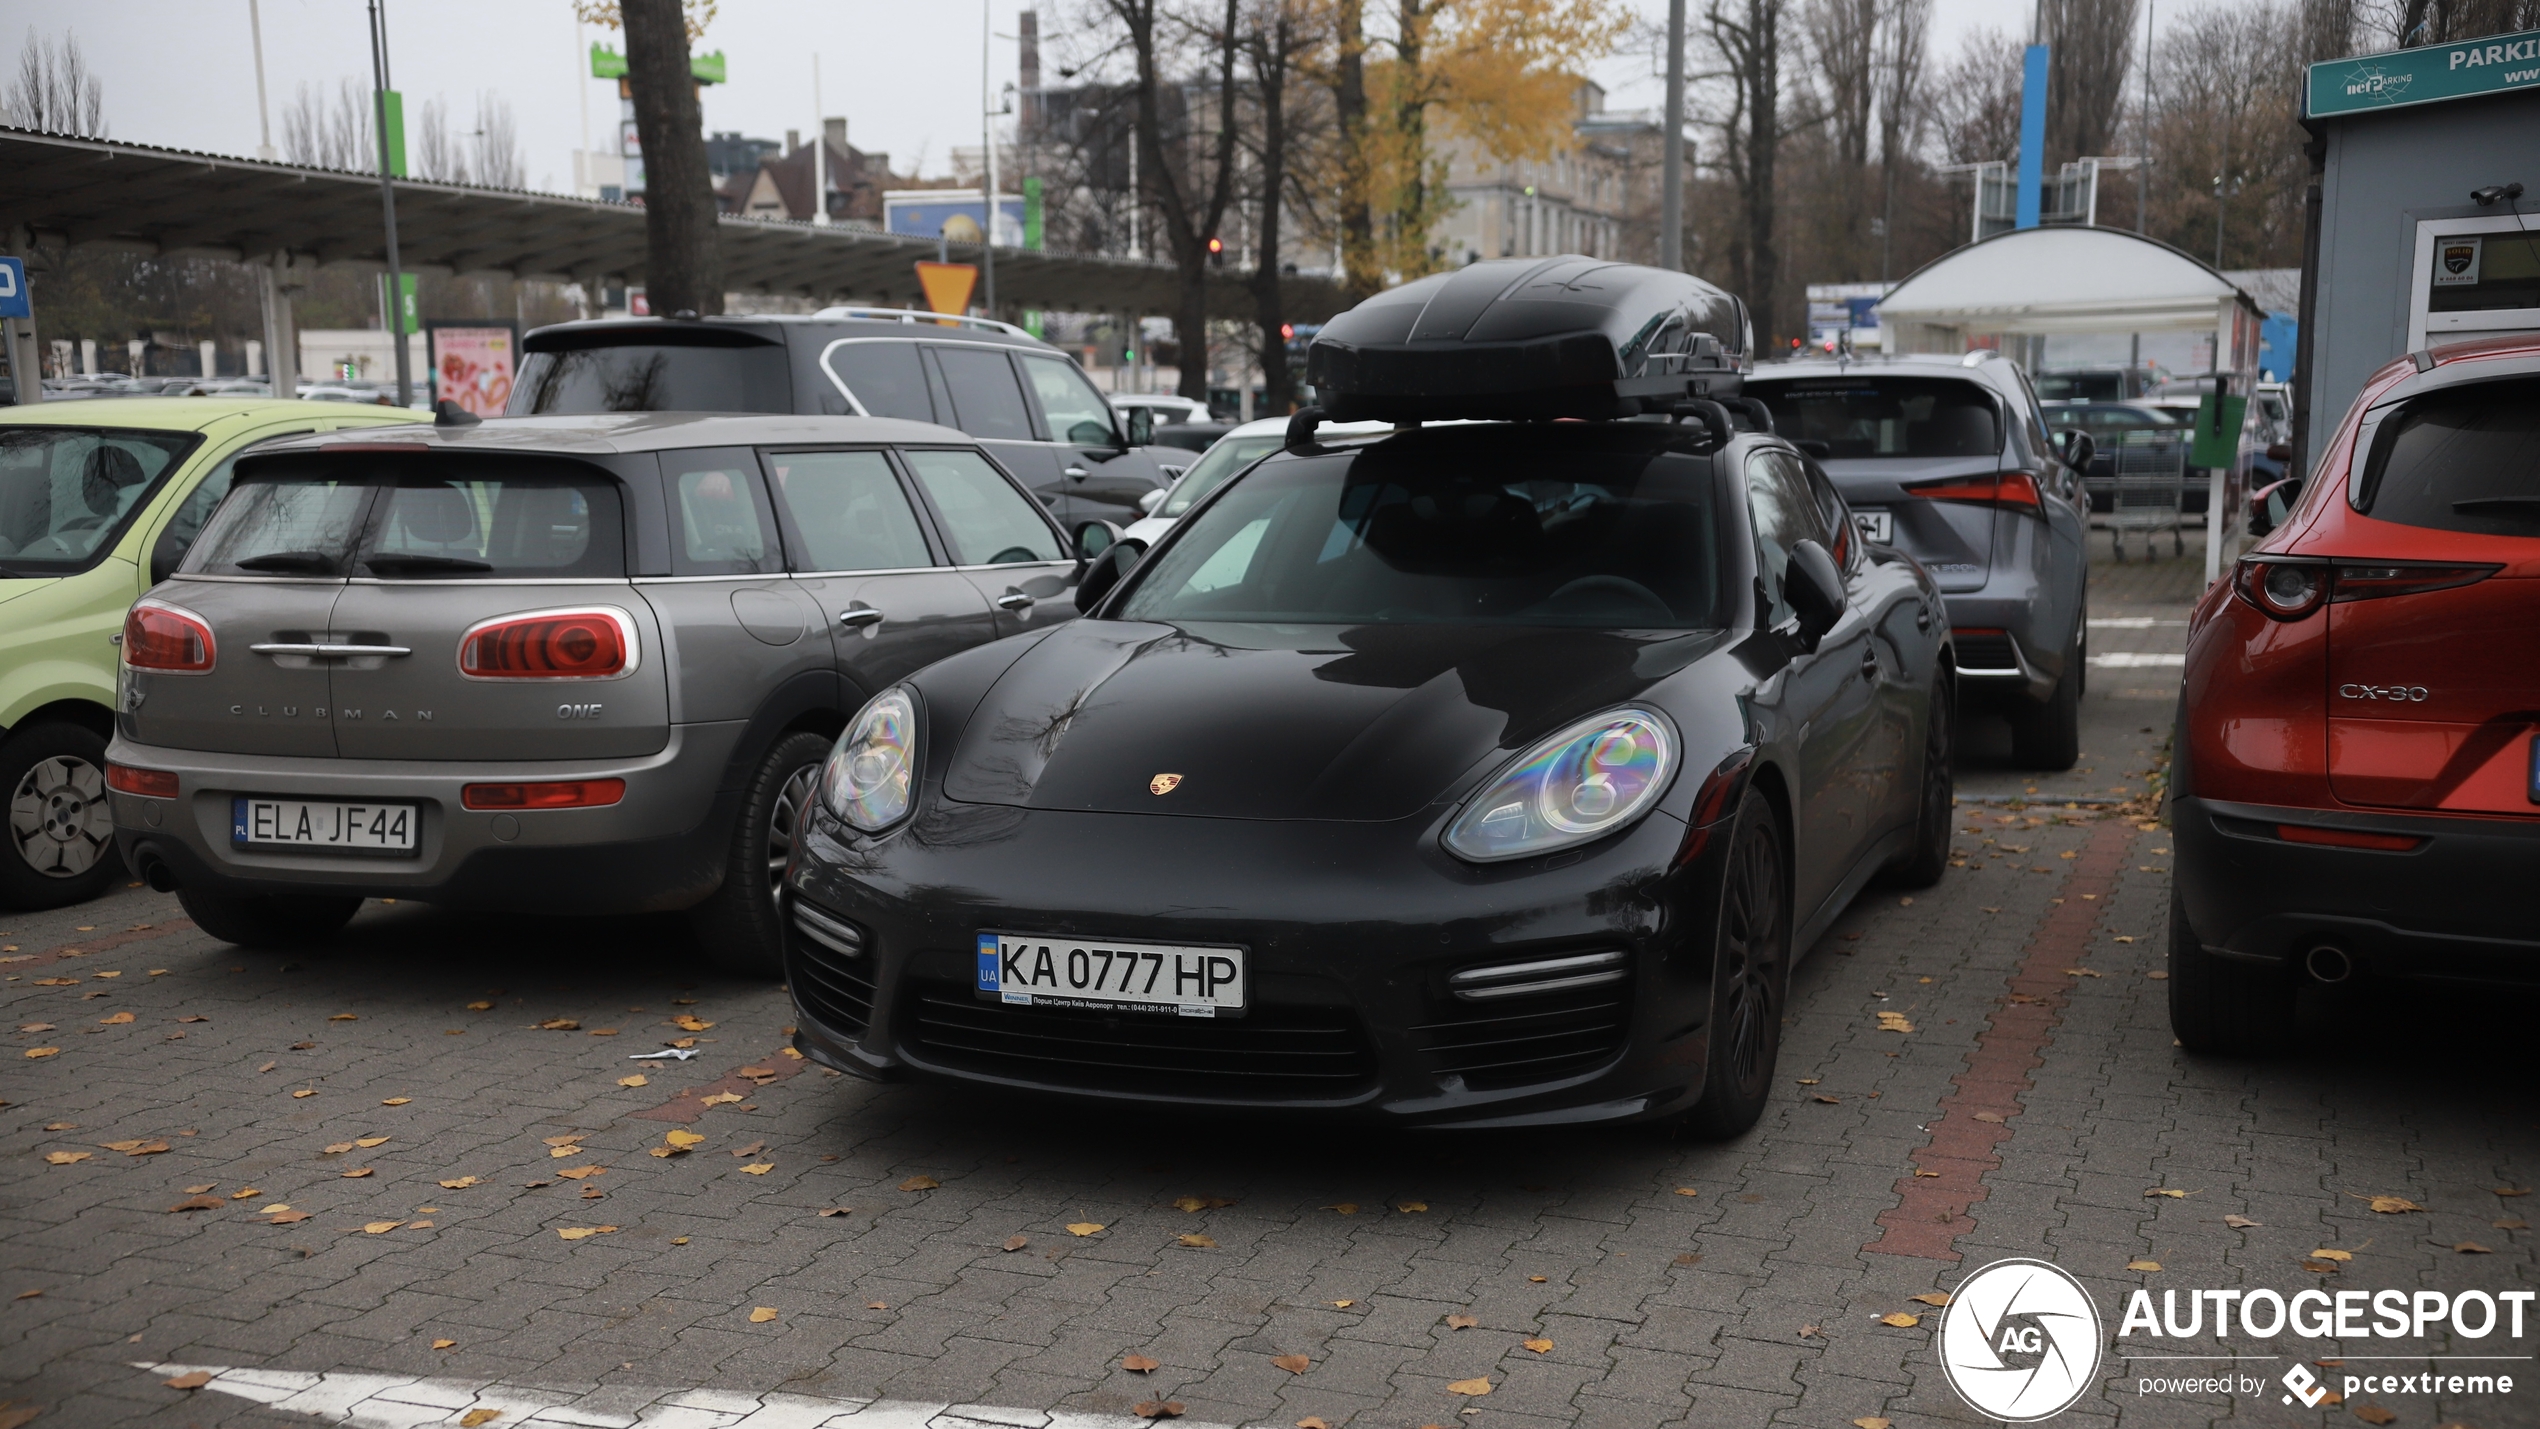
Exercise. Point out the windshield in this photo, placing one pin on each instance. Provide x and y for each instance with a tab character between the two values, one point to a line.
647	377
2464	460
1223	459
416	525
1864	416
67	492
1589	528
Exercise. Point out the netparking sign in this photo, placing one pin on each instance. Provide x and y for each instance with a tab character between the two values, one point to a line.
2425	75
15	301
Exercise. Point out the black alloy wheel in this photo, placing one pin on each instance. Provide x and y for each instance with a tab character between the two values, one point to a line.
738	925
61	846
277	920
1927	859
1750	978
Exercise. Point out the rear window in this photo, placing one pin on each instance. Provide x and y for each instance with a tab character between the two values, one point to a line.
885	377
1865	416
647	377
1593	529
2081	387
2463	460
425	523
66	493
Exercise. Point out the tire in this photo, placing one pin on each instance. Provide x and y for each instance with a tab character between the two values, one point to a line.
738	925
280	920
61	844
1750	978
1924	863
2222	1006
2047	737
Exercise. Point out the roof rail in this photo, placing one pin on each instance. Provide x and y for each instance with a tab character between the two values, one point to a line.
911	315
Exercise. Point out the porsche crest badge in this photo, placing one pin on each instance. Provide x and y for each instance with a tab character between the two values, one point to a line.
1163	784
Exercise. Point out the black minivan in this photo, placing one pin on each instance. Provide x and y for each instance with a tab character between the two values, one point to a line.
1027	402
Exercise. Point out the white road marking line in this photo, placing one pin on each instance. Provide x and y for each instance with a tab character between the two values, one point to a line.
398	1401
2137	660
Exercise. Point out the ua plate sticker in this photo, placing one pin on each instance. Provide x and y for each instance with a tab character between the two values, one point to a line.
1025	970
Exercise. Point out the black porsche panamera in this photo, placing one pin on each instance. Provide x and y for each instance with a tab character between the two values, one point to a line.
1480	775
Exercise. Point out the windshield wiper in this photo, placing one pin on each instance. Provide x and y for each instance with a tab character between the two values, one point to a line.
395	564
2498	503
307	562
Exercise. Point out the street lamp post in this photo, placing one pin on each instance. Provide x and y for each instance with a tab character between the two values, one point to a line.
388	203
1671	183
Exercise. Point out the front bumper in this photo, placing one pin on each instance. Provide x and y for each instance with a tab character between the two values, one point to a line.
2457	907
662	847
1351	931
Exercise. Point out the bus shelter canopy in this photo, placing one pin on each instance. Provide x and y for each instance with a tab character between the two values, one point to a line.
2062	280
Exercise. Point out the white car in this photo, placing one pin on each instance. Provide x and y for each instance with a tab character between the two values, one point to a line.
1229	454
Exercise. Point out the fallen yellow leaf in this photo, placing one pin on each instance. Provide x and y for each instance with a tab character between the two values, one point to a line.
1293	1364
1937	1297
1476	1386
370	1141
690	1022
925	1183
444	1344
2391	1205
1461	1322
2332	1255
305	1092
43	1051
1687	1191
381	1227
396	1101
1901	1320
558	1153
1539	1346
338	1149
1872	1421
248	1194
1198	1242
761	1169
117	1020
1410	1206
1140	1364
683	1139
357	1173
475	1418
192	1379
2165	1191
459	1184
65	1158
583	1232
576	1173
2471	1247
636	1080
345	1017
1894	1022
1343	1304
720	1099
1083	1228
762	1314
1346	1208
2143	1265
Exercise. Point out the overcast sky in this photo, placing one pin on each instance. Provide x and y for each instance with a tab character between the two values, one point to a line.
906	75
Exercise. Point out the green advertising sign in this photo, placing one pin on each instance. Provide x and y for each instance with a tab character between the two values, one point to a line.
607	63
2218	439
2426	75
1032	214
392	106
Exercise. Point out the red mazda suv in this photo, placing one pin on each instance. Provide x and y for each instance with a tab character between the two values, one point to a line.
2357	787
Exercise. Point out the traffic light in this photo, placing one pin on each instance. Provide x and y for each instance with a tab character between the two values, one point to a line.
1217	250
1287	332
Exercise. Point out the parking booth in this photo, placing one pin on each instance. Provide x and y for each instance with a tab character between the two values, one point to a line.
2420	230
2032	283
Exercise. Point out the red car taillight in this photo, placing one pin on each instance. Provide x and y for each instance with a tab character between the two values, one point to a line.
550	645
156	783
2291	587
2013	490
553	794
167	638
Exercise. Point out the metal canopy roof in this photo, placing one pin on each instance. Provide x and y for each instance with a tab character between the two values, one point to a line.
2064	280
59	191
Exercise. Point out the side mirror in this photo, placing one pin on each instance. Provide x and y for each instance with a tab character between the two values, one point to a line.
1142	426
1153	499
1104	572
1095	537
1815	588
2077	449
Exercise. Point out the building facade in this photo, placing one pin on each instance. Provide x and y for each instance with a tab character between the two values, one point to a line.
1597	194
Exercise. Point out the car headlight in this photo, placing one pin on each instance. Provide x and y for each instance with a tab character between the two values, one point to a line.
1589	780
873	771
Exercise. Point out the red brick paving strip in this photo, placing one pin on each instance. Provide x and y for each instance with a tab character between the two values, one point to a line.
1931	1212
104	943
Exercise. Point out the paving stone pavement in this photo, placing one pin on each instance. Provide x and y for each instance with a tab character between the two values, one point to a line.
1677	1283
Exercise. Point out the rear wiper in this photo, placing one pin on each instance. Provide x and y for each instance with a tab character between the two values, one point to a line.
311	562
419	565
2498	503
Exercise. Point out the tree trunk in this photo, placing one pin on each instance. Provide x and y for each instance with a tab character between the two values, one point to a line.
1361	275
1272	49
683	265
1411	123
1763	146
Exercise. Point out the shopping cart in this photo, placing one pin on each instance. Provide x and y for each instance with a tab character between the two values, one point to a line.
2151	490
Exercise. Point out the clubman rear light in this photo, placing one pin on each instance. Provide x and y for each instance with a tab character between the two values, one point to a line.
2011	490
2291	587
1512	339
550	794
168	640
152	783
583	643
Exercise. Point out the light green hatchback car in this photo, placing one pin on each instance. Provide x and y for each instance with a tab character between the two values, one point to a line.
98	500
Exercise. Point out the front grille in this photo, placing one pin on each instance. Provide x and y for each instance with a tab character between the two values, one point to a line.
1272	1052
1512	1024
1985	650
832	973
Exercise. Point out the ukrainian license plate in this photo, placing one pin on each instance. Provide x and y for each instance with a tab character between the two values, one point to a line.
322	824
1875	526
1034	971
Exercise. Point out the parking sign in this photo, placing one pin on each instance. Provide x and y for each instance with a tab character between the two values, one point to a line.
14	302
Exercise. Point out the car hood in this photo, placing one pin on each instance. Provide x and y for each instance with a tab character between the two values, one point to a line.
1314	722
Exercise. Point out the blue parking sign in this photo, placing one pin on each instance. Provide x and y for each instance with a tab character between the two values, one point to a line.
14	300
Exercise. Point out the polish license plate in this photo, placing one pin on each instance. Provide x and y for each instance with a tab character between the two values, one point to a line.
1875	526
322	824
1032	970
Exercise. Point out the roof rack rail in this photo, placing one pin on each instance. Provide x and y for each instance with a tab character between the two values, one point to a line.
911	315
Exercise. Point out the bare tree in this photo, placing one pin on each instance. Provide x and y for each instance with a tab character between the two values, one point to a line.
55	91
494	158
1282	34
683	267
2441	22
433	156
320	133
1748	36
2093	53
1188	177
1904	39
1975	105
1361	274
1841	36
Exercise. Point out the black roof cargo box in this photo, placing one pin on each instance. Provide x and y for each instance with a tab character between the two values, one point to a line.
1531	337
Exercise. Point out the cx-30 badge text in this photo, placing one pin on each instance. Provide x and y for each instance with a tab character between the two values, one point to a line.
2414	694
2020	1340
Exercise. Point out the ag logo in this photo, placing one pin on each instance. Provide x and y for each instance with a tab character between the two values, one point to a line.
2020	1340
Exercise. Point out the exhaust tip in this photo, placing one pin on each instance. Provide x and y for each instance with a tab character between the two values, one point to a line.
154	871
2329	964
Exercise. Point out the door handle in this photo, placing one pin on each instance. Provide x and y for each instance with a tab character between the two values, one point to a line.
1014	600
1078	472
325	651
860	617
1870	665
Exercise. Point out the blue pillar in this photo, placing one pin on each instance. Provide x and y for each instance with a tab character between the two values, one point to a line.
2032	135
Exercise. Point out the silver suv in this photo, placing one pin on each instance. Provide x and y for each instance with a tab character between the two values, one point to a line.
583	664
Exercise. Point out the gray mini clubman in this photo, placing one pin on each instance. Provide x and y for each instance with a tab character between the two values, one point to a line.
584	664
